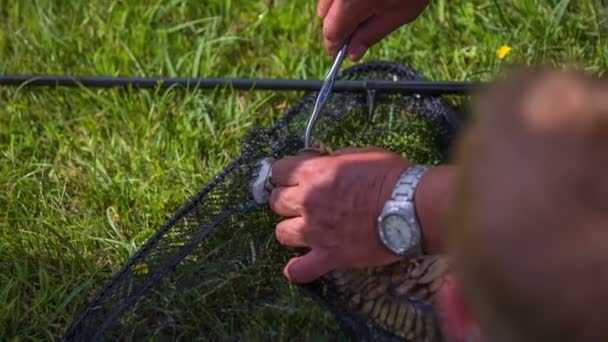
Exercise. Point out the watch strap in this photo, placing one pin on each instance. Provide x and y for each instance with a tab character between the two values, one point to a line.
403	197
407	183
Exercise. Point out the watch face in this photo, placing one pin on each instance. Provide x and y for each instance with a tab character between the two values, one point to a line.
397	232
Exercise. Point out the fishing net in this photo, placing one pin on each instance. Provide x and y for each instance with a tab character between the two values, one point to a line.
213	271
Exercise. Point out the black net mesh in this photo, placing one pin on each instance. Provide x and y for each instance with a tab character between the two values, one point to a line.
213	270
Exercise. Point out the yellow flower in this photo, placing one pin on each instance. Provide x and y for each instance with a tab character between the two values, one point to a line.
141	268
503	51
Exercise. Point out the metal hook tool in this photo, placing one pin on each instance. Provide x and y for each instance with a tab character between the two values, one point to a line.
328	84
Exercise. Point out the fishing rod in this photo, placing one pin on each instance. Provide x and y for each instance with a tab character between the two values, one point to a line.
403	86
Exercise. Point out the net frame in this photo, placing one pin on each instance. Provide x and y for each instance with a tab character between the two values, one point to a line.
194	222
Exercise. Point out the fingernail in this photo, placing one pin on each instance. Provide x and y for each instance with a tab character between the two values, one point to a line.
293	271
287	273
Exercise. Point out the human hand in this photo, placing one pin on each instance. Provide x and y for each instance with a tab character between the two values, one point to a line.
332	205
368	21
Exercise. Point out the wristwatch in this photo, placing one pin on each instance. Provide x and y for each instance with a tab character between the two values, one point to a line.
398	225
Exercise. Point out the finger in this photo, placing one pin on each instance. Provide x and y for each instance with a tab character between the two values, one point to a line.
307	268
323	7
352	149
381	25
286	201
371	32
342	19
290	232
285	171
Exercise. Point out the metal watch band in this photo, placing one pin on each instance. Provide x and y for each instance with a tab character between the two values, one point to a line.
401	203
404	191
406	184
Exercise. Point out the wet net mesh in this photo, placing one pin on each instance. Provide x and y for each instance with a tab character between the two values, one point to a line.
213	271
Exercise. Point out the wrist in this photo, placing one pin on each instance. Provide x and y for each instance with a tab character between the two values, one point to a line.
431	203
385	190
398	225
388	184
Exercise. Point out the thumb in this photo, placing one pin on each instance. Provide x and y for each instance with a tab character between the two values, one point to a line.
307	268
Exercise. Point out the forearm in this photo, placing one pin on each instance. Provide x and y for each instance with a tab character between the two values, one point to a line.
433	200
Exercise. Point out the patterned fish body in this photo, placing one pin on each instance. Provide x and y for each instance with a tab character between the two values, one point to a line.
398	299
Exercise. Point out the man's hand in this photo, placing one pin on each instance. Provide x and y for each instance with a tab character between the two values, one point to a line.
332	204
367	20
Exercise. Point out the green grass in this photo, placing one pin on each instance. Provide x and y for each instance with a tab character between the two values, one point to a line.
87	175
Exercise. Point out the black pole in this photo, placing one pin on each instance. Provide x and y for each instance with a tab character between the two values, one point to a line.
420	87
